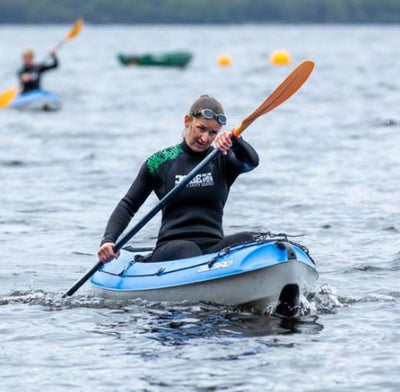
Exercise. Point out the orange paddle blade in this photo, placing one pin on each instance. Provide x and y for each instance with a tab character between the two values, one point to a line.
283	92
75	29
7	97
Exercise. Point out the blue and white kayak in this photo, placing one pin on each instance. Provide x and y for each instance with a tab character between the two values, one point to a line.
37	100
266	275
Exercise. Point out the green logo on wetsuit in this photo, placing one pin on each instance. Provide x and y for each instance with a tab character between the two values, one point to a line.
157	159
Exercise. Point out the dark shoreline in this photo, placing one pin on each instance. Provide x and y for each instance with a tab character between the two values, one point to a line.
201	12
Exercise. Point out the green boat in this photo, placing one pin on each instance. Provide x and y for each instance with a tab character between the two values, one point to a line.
171	59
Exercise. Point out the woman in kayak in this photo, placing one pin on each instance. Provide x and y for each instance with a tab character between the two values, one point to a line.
30	73
192	221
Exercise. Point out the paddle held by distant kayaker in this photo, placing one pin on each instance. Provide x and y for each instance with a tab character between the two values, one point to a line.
30	73
191	222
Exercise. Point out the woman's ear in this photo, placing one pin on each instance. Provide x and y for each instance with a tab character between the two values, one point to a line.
187	120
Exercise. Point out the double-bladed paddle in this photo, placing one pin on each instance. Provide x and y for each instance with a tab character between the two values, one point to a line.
9	95
73	32
284	91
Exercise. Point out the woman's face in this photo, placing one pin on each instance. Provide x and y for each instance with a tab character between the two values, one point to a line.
27	59
200	132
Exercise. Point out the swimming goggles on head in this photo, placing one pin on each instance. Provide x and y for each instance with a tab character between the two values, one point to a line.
209	114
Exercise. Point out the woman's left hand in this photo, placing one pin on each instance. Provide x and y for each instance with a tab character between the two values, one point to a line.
223	142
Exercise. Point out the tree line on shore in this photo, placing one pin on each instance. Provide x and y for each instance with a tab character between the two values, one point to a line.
200	11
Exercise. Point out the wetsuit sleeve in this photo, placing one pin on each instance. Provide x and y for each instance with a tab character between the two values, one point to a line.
20	72
129	205
241	158
245	153
46	67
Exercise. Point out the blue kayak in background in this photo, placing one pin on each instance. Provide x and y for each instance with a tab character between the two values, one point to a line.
269	275
37	100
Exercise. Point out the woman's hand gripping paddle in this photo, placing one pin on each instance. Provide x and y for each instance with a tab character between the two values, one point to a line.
283	92
9	95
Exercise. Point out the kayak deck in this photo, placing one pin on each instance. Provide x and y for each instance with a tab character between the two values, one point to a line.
37	100
253	273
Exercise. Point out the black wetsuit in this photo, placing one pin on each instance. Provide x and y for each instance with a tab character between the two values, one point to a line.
35	71
192	221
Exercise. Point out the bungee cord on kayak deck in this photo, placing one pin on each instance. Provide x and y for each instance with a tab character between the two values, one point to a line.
260	238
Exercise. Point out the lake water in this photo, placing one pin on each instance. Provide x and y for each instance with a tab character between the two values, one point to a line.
330	164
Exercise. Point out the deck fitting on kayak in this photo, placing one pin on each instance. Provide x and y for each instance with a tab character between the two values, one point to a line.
126	267
220	254
286	246
160	271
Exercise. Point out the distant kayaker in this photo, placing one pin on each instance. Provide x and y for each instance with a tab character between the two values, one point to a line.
30	73
192	221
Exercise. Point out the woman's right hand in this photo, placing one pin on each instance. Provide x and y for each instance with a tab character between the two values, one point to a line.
26	77
106	252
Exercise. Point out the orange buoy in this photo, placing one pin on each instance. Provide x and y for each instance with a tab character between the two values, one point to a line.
224	61
280	57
